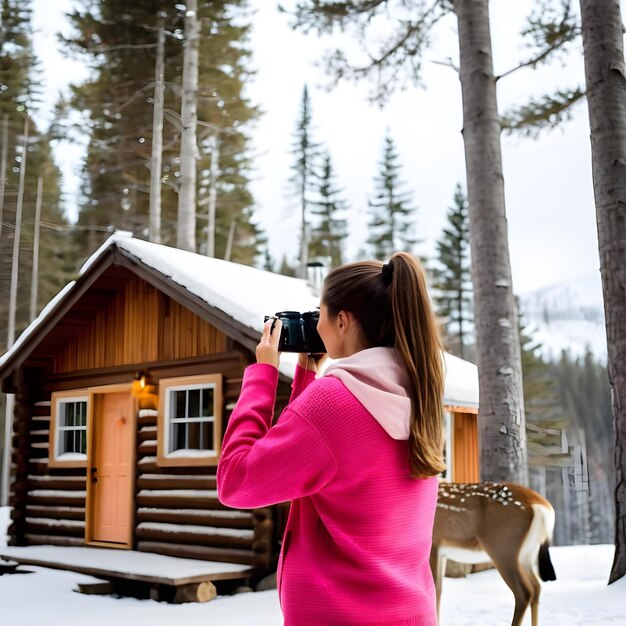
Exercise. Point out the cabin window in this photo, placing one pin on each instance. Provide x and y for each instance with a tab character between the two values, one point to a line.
190	420
68	429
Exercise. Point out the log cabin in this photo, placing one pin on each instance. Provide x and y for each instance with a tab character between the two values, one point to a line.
123	387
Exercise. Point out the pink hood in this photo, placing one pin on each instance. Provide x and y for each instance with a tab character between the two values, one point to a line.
376	377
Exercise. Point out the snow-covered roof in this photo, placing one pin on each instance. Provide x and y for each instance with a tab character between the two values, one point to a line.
245	294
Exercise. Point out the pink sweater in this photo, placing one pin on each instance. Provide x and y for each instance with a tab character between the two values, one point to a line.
357	542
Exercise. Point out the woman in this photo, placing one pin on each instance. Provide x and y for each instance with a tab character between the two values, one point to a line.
357	451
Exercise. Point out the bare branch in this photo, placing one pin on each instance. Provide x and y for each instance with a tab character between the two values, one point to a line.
449	64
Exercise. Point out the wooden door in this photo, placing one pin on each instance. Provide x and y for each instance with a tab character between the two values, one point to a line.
112	469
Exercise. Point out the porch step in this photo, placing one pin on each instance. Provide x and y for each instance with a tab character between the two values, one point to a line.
169	578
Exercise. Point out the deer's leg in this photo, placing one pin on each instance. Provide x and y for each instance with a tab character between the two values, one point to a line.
514	577
534	601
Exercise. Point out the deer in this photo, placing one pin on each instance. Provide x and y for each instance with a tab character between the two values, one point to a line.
506	523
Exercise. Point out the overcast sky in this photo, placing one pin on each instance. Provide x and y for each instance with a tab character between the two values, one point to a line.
550	210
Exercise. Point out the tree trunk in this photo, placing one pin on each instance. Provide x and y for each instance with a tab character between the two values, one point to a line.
16	239
501	420
3	166
212	208
154	229
606	98
186	227
34	281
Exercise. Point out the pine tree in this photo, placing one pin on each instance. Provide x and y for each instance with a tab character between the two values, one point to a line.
453	280
18	100
119	39
305	174
330	231
392	216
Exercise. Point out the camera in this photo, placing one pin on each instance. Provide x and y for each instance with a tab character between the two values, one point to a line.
299	332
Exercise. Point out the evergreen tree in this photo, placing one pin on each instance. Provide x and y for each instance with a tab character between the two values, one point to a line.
330	231
305	174
392	216
585	405
286	269
120	38
17	102
453	280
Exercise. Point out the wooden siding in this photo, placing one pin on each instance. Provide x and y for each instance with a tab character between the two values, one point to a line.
140	324
465	448
176	508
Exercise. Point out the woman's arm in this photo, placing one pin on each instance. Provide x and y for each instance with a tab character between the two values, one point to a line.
259	465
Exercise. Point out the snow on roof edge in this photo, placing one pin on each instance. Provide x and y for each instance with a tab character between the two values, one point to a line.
183	267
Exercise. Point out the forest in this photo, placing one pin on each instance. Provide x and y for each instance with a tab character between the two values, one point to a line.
166	119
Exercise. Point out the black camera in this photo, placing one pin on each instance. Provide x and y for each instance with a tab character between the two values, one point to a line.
299	332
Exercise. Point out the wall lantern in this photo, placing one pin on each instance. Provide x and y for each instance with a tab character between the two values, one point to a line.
145	391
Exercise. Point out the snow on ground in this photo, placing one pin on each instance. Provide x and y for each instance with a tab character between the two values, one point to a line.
579	597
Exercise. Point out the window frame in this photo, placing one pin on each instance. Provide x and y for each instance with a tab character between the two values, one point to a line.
448	421
72	459
188	457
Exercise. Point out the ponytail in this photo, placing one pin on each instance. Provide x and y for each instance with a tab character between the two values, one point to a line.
392	306
419	344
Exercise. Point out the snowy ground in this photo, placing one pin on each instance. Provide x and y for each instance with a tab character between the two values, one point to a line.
580	596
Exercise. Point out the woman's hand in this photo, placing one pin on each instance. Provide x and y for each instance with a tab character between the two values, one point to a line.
267	350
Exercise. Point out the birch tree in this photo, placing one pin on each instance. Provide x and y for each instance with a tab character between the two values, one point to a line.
156	162
186	223
606	96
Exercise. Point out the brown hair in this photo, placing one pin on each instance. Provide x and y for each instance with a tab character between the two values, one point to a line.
391	304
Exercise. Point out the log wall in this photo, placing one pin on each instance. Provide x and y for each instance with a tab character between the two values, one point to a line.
177	509
50	509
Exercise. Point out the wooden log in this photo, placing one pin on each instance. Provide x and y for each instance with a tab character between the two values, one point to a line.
147	433
99	588
45	525
42	434
53	540
147	448
38	466
201	535
57	498
205	553
56	512
262	555
20	448
147	464
195	592
68	471
187	499
207	517
57	482
146	420
172	481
